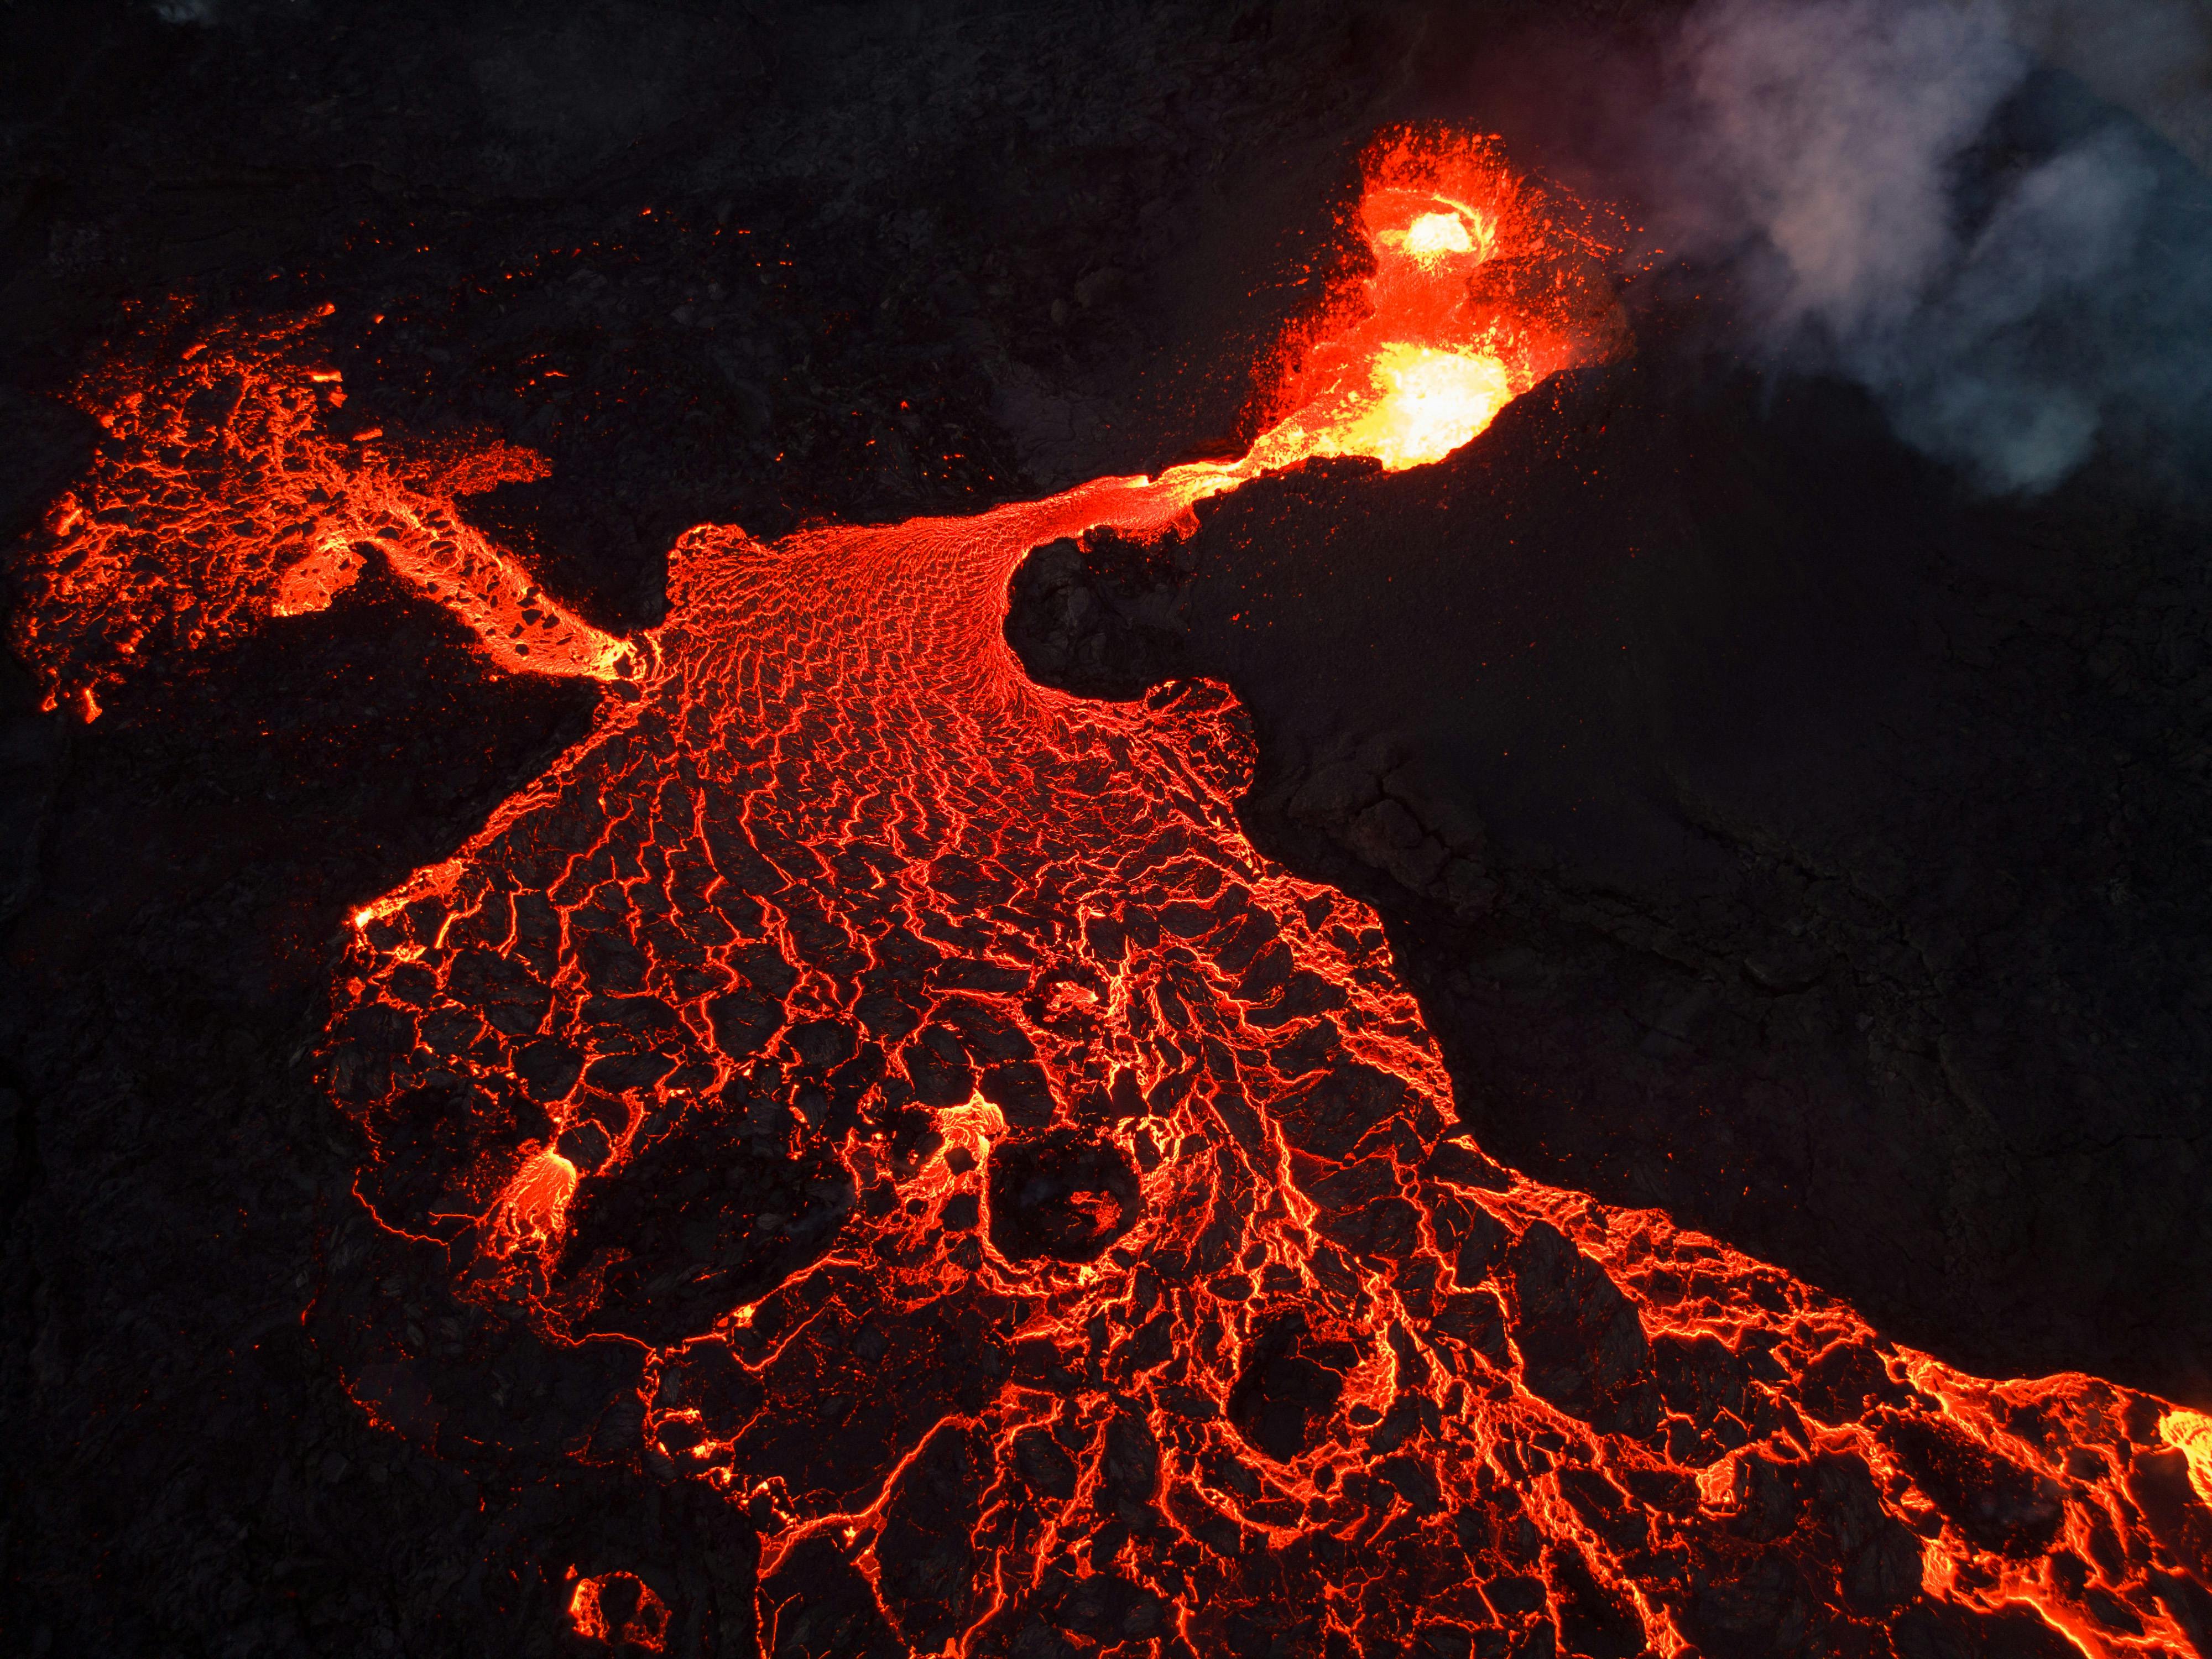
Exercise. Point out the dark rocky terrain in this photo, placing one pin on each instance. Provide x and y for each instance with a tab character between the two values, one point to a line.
1816	861
1772	832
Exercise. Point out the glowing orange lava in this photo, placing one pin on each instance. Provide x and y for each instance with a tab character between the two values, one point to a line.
1479	290
2190	1433
220	499
643	1624
1124	1286
534	1209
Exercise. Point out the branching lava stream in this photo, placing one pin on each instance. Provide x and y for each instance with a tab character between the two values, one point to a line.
1127	1287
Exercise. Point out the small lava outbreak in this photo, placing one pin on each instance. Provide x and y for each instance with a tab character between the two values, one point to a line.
620	1609
898	1096
221	499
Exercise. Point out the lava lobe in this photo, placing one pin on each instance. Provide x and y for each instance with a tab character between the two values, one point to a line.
1061	1194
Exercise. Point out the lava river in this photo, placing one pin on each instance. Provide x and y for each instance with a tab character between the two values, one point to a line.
904	1096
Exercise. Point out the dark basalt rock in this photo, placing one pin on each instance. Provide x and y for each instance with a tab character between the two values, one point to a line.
2000	1505
1582	1345
1289	1379
1059	1193
704	1220
833	1609
927	1572
1099	618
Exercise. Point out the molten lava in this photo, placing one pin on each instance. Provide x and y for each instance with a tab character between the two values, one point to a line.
597	1612
1431	401
1479	290
1043	1219
222	498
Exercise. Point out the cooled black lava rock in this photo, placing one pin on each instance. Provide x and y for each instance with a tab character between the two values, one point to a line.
697	1221
1582	1345
1061	1194
1291	1378
1100	617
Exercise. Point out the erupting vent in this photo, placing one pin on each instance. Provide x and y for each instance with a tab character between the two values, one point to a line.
1125	1288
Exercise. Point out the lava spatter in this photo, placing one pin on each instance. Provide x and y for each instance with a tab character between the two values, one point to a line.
897	1096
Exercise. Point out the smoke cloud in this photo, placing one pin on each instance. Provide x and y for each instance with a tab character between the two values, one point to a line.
1910	195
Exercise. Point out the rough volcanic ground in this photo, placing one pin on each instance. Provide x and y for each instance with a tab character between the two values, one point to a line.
1769	833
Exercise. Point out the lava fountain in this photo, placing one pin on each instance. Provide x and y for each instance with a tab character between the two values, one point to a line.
905	1094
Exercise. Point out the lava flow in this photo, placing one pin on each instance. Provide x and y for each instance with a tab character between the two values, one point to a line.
899	1097
221	499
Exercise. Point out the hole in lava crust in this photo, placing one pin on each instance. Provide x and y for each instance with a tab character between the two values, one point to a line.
1291	1381
1062	1193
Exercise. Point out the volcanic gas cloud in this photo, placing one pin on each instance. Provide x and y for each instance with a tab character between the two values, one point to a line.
904	1096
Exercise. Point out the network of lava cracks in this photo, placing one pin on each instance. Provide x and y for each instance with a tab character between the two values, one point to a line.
905	1098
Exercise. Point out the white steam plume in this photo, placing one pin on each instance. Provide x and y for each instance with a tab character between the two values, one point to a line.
2004	299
